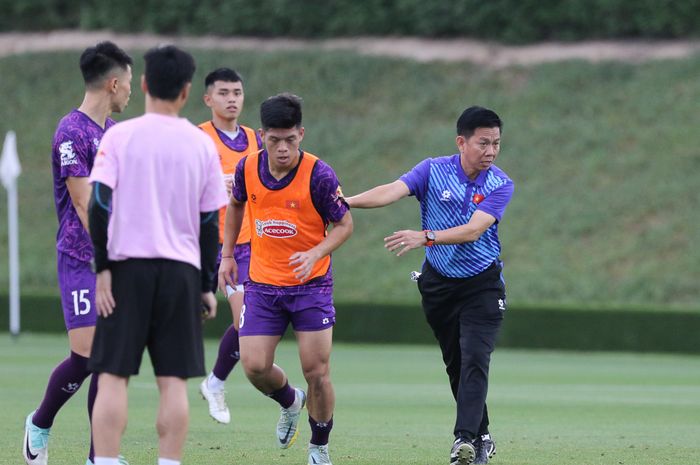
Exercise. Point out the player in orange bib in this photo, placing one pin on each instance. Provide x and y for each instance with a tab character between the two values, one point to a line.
290	198
225	96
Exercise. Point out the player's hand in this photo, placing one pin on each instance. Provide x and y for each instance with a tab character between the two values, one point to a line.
304	263
228	182
228	274
402	241
104	300
208	305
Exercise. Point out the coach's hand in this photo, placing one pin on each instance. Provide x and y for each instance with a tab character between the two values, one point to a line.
104	300
209	303
402	241
228	273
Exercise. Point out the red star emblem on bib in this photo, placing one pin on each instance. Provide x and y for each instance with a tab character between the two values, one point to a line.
478	198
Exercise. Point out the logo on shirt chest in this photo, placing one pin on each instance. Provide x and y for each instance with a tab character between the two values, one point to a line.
446	195
277	229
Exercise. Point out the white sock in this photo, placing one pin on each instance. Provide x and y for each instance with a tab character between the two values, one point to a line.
106	461
162	461
214	383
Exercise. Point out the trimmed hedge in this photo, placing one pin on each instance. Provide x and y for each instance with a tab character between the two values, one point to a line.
515	21
535	327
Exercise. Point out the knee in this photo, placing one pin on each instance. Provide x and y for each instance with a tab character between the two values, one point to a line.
255	368
317	376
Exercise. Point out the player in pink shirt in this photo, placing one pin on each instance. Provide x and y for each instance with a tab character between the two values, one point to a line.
157	189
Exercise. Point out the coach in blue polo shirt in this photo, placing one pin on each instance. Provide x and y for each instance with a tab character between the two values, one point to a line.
462	199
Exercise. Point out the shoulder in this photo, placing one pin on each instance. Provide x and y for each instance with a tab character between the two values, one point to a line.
496	178
322	170
71	126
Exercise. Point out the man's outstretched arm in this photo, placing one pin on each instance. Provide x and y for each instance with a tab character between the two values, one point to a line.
379	196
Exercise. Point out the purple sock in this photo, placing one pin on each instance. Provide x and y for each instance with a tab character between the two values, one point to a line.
92	394
228	354
63	383
285	396
320	431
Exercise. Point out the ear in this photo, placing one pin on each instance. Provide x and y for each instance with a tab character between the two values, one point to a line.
144	86
185	93
207	99
111	85
301	133
461	142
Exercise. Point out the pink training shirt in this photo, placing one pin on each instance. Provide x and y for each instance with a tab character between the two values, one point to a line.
163	171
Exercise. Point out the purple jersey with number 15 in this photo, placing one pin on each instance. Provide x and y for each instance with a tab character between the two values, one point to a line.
74	148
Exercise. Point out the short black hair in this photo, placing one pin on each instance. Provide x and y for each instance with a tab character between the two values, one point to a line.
282	111
222	74
477	117
168	71
96	62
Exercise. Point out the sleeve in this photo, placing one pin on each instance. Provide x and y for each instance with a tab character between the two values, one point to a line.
239	191
209	248
326	193
417	179
74	153
213	194
106	165
495	203
98	216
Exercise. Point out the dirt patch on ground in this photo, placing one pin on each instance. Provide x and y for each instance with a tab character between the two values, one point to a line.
424	50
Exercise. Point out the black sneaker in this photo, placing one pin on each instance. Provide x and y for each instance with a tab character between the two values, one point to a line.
462	452
485	449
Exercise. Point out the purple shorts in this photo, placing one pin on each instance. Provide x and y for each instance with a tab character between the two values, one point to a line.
269	315
241	253
77	284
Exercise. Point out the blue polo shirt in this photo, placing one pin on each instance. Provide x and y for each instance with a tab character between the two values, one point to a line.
448	198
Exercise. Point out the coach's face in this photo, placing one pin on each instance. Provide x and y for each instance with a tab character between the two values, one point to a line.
479	151
282	147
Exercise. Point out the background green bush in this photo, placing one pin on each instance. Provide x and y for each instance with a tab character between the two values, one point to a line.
516	21
604	157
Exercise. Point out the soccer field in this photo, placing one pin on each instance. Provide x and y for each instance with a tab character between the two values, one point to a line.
394	407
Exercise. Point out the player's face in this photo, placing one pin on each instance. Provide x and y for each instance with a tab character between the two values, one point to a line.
283	147
122	89
479	151
225	99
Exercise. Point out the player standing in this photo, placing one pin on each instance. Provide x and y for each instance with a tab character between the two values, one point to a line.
157	188
106	70
225	96
291	197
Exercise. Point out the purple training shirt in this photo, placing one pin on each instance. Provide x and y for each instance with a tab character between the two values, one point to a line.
324	194
75	144
238	143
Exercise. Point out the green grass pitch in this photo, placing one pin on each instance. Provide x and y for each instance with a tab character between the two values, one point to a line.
394	407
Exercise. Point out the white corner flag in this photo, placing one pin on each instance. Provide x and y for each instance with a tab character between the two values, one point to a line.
10	170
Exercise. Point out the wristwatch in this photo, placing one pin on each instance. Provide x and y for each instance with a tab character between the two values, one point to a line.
429	238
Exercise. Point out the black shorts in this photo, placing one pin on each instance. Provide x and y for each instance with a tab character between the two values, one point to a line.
158	305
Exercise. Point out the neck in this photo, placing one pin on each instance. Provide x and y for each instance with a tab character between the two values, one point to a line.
163	107
224	124
96	106
472	173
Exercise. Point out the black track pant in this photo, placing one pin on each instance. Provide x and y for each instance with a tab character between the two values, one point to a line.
465	315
